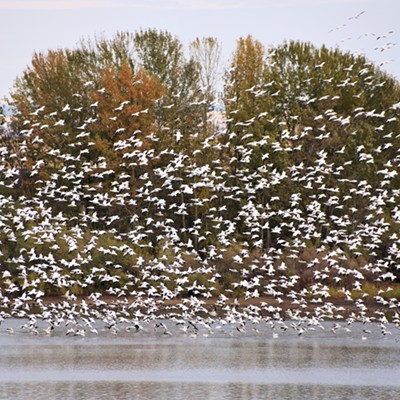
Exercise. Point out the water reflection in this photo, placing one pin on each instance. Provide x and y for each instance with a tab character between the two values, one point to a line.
208	368
183	391
194	354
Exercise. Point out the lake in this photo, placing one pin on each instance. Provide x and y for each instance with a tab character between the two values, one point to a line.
227	364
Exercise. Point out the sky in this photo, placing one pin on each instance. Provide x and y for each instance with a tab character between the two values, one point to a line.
369	27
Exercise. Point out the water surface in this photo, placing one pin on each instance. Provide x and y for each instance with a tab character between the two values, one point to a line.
319	365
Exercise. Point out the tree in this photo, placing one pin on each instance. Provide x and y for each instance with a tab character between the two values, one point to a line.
161	54
125	114
304	109
207	53
328	100
103	53
54	80
67	78
56	98
246	102
244	75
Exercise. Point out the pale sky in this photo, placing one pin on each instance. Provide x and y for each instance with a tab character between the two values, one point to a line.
361	26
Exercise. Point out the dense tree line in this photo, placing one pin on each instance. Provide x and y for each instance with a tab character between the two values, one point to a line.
115	162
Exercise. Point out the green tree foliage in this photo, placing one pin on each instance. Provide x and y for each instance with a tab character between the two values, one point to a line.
244	75
117	165
57	96
328	104
54	80
298	108
103	53
161	54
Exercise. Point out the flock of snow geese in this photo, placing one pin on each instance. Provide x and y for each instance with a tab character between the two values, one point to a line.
199	285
